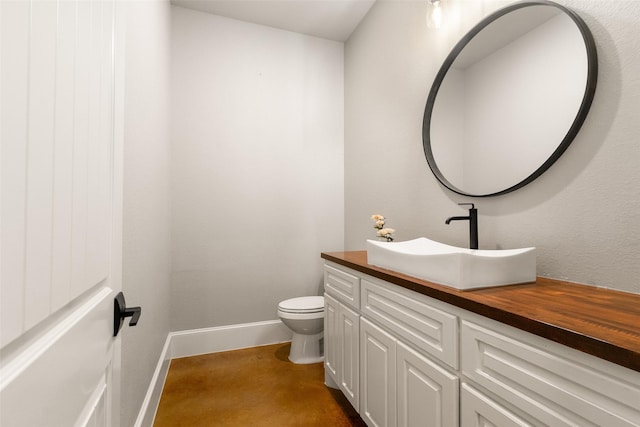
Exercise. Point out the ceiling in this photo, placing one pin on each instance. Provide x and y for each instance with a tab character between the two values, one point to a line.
329	19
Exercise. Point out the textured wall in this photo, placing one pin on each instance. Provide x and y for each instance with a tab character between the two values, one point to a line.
147	160
583	214
257	130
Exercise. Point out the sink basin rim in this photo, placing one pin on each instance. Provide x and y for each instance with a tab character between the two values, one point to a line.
452	266
411	247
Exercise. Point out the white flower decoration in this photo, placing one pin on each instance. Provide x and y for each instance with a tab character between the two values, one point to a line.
379	222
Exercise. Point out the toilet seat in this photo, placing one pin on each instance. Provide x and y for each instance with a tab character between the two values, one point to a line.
302	305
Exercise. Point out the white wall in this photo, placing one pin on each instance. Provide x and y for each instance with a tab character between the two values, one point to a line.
147	161
583	214
257	131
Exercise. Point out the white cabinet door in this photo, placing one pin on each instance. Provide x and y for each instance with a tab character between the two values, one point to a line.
331	340
427	394
341	348
378	376
349	355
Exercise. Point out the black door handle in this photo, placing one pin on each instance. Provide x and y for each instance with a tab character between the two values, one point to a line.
120	312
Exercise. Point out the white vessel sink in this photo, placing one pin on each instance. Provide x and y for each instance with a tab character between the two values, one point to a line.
459	268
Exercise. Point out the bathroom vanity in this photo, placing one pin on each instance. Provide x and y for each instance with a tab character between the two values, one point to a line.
407	352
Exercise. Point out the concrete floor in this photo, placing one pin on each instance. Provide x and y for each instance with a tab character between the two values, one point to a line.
251	387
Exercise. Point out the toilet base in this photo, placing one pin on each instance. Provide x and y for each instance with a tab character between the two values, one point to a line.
306	349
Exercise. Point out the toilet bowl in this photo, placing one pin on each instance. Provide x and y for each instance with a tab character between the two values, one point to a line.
305	317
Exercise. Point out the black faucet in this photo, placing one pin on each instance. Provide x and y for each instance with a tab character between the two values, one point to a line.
473	224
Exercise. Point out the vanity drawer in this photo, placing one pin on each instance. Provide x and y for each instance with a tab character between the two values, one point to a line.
552	384
343	286
478	410
413	317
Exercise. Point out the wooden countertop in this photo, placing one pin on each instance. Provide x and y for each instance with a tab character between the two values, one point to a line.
601	322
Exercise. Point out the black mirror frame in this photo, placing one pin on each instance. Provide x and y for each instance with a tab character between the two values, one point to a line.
590	88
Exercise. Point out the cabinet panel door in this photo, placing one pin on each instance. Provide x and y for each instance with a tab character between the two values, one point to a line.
349	355
427	394
477	410
378	376
331	342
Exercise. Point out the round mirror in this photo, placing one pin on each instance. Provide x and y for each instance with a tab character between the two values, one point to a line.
509	98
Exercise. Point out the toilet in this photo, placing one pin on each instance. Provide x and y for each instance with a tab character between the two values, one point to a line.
305	317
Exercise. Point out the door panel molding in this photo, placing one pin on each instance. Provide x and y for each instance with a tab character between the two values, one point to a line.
35	372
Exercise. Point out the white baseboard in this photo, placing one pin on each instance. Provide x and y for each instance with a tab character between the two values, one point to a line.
203	341
151	400
224	338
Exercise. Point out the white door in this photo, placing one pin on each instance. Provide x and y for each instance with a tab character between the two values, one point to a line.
61	109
